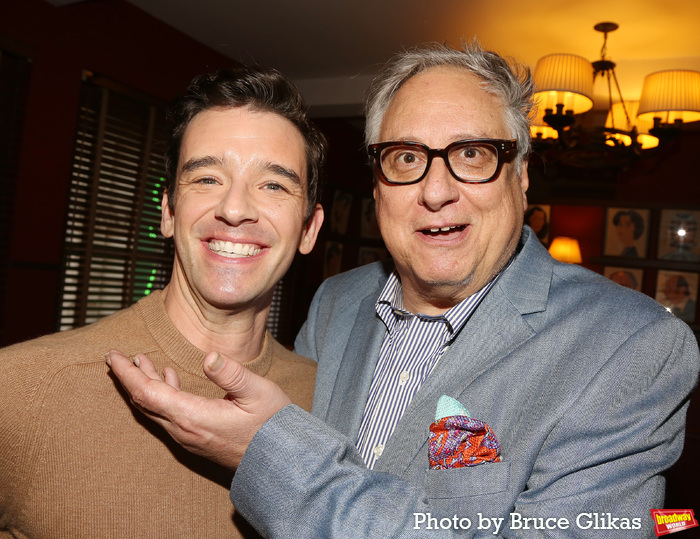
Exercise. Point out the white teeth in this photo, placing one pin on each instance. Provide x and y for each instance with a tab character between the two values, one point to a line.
443	229
233	250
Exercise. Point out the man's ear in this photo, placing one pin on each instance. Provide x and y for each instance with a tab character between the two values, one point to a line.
167	217
524	182
310	231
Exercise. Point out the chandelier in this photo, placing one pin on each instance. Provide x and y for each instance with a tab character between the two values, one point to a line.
564	91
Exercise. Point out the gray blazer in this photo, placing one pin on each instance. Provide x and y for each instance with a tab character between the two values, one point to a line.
584	383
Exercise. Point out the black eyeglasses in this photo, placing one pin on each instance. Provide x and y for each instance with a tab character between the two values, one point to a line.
469	161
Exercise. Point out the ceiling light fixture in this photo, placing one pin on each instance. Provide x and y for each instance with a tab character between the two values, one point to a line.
564	89
670	98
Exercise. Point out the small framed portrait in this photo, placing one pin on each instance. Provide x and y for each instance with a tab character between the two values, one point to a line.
340	211
367	255
627	277
537	218
369	228
678	235
678	292
333	259
627	230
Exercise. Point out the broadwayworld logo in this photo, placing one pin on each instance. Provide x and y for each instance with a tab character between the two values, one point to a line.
672	520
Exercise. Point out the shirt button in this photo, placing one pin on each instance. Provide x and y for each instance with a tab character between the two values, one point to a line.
378	450
403	377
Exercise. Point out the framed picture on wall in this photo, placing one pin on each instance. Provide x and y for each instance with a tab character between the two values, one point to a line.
678	292
367	255
368	222
678	235
628	277
340	211
626	232
333	259
537	217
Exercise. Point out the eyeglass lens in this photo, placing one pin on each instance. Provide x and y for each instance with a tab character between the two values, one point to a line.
469	161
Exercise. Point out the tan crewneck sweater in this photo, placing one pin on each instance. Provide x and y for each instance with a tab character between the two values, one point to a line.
77	460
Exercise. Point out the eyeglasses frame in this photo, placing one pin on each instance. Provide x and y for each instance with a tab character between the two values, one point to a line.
502	146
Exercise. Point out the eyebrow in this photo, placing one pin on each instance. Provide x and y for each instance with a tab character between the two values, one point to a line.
280	170
457	138
200	162
212	161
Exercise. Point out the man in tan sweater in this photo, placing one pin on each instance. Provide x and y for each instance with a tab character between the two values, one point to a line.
76	459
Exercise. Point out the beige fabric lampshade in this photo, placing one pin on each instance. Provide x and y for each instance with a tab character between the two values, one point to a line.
617	120
564	79
671	95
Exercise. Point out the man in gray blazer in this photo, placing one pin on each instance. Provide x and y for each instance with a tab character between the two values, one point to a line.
580	385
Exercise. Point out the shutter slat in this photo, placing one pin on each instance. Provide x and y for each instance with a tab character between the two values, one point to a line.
114	252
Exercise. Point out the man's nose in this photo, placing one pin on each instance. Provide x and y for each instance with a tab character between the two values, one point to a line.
237	205
438	187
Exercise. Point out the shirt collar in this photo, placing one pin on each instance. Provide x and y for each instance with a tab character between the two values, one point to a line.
390	306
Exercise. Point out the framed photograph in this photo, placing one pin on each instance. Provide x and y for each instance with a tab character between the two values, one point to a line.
340	211
367	255
333	259
627	277
537	217
627	230
368	222
678	292
678	235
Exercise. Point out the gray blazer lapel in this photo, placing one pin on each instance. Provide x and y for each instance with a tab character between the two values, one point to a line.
347	403
495	329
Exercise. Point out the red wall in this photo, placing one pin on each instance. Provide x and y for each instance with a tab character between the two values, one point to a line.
586	224
111	38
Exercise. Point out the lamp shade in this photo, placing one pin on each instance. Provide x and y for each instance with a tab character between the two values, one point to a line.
564	79
566	250
539	128
618	120
671	96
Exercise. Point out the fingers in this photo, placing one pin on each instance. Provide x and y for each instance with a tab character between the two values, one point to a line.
226	373
171	377
249	390
219	429
122	365
147	367
142	382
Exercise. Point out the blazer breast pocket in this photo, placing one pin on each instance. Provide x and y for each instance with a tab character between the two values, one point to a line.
482	480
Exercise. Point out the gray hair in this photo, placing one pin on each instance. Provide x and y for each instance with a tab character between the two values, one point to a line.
510	81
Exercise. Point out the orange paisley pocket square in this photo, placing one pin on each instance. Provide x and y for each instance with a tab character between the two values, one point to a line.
458	440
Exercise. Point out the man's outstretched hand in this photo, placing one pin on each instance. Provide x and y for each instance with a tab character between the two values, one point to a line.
218	429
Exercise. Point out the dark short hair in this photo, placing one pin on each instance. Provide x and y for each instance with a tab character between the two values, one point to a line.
542	233
636	219
262	89
681	283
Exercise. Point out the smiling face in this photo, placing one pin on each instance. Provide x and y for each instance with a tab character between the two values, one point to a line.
239	208
448	239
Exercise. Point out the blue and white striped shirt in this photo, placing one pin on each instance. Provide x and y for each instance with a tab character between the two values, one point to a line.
412	347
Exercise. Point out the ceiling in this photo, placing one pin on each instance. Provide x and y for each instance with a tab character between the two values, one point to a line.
331	48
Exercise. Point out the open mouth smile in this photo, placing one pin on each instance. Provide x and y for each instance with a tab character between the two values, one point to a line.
233	250
442	231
